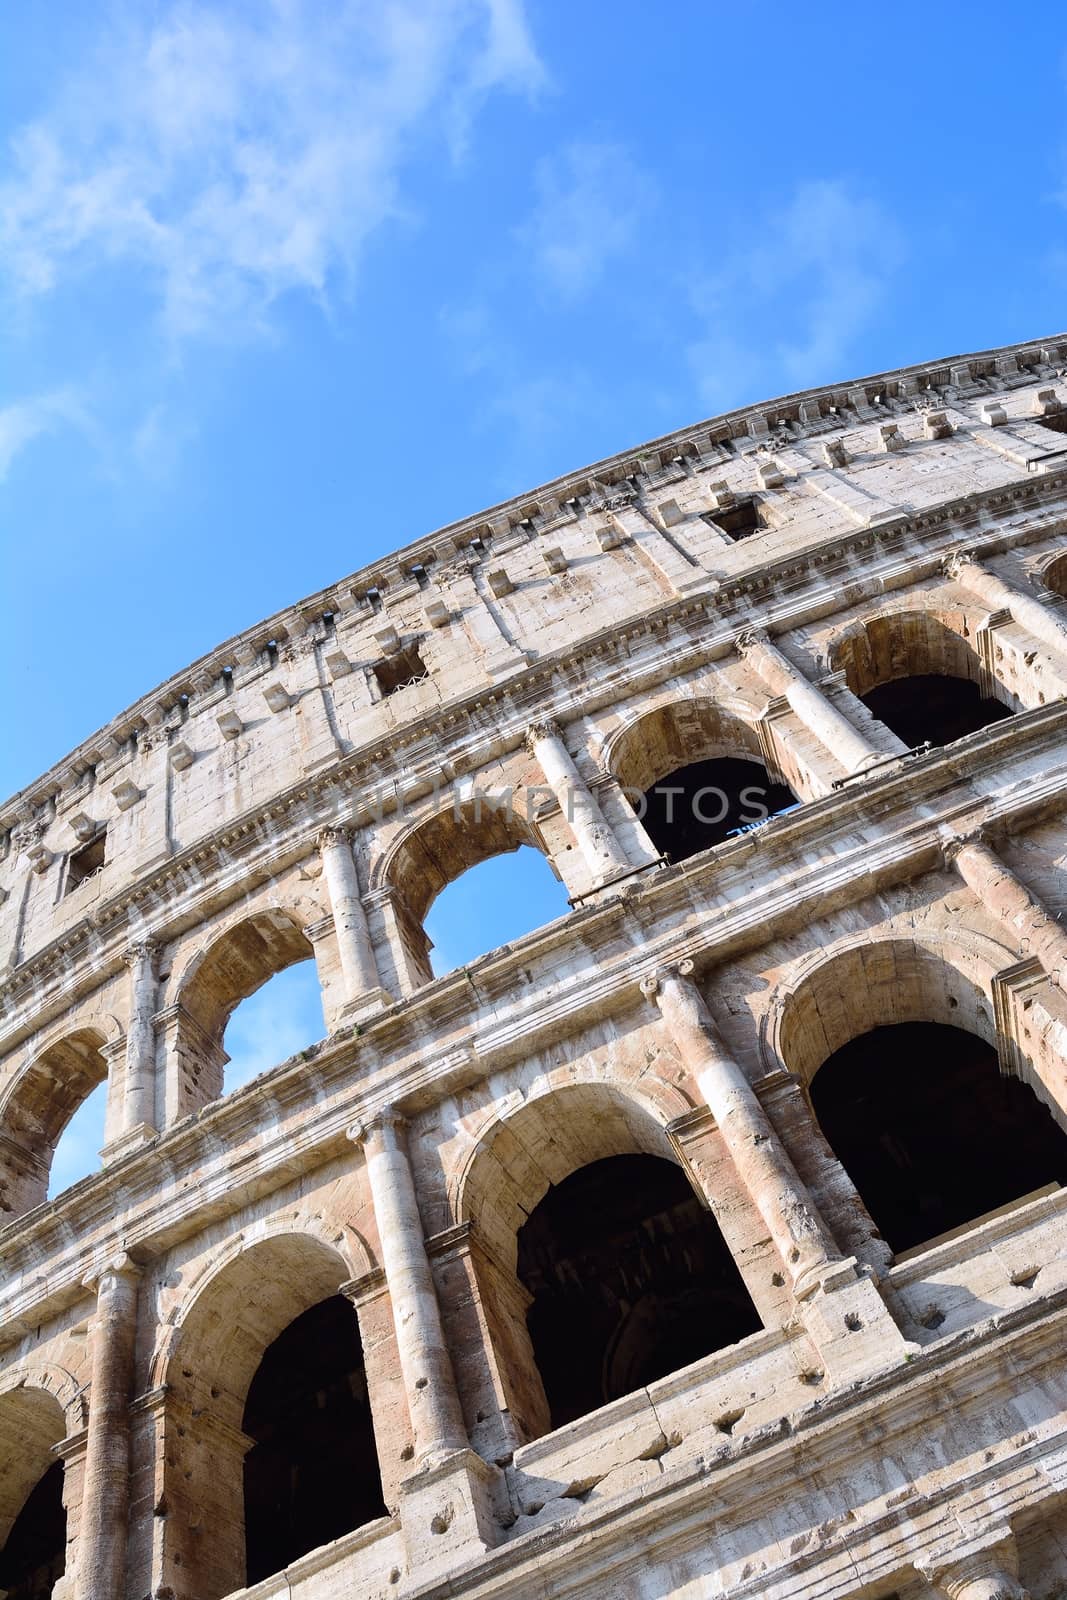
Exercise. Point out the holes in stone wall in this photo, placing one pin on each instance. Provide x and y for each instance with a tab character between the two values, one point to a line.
312	1474
631	1279
34	1557
929	1131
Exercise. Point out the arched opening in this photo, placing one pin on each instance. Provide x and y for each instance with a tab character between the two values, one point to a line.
592	1249
33	1521
283	1016
933	708
698	806
630	1280
39	1106
930	1132
492	904
514	890
35	1556
695	776
238	964
78	1147
1054	576
312	1473
921	678
266	1399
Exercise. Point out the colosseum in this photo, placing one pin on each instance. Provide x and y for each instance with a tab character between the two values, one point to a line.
706	1241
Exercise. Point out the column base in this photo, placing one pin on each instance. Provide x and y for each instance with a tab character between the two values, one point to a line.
447	1514
850	1324
127	1142
364	1005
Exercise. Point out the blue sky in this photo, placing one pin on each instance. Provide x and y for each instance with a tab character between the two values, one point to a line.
285	285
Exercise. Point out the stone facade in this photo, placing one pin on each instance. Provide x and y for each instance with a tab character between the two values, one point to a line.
897	1423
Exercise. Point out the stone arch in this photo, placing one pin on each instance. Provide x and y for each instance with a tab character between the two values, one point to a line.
40	1406
36	1107
526	1153
675	731
569	1122
904	1034
232	1316
859	983
694	770
437	848
351	1249
934	644
239	958
1054	574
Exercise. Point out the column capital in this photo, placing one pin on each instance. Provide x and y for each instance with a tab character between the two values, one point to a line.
541	728
750	640
991	1573
951	847
652	983
954	563
110	1272
334	833
376	1122
139	952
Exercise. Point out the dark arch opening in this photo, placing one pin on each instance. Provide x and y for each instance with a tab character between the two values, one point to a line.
312	1473
933	707
631	1279
701	804
34	1558
930	1132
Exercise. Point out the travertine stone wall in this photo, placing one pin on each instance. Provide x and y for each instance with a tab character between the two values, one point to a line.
896	1427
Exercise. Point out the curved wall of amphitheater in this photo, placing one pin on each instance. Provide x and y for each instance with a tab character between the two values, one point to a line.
893	1420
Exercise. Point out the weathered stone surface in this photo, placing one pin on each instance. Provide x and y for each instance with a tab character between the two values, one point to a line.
898	1424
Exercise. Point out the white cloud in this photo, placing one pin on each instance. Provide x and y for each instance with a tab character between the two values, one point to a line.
784	309
23	421
591	200
238	153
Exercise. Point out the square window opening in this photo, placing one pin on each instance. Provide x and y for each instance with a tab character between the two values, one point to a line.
737	521
86	862
398	671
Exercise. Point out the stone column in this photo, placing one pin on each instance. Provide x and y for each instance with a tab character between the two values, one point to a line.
601	851
433	1403
762	1164
359	969
139	1101
1023	916
100	1568
833	730
966	570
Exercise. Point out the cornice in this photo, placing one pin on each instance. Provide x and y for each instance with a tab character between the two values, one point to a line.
807	413
312	801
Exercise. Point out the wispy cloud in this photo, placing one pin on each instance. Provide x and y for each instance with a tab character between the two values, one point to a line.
785	308
24	421
237	153
591	200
